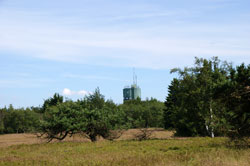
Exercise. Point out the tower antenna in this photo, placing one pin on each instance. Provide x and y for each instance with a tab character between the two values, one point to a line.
134	77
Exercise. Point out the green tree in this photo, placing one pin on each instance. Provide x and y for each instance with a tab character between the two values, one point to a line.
190	105
20	120
61	120
235	95
92	117
143	114
171	104
101	117
2	114
53	101
210	74
94	101
182	112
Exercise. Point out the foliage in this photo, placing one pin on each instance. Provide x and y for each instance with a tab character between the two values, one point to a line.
235	95
92	117
53	101
143	114
61	120
191	106
18	120
101	117
98	123
2	114
210	98
93	101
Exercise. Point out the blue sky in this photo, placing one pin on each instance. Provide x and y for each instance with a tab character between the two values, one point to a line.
72	47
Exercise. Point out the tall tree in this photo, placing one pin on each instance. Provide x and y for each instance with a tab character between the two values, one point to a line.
235	95
190	104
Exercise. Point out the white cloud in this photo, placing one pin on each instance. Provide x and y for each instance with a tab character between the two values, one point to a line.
83	92
93	77
68	92
169	46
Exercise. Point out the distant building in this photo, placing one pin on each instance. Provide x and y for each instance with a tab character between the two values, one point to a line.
132	92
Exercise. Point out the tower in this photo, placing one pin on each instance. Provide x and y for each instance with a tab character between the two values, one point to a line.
132	92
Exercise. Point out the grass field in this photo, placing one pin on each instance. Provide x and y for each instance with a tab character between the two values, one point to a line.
170	152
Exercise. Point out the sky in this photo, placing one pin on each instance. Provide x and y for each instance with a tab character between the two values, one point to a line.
73	47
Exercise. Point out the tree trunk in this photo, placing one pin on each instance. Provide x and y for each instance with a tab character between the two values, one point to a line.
211	116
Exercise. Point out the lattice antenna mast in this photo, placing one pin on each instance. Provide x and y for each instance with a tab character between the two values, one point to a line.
134	77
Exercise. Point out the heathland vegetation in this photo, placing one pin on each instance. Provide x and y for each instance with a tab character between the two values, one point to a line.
92	116
210	99
193	151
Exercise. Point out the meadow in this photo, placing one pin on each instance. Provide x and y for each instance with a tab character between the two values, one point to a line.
161	150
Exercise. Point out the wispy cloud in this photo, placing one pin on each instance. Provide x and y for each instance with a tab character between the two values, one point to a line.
147	15
156	46
25	83
93	77
94	37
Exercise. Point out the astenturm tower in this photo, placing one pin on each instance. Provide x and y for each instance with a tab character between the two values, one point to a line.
132	92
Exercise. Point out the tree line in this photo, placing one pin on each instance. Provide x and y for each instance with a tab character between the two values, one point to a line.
18	120
91	116
212	98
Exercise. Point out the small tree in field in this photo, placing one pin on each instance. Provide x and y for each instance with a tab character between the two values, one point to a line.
91	117
101	118
61	120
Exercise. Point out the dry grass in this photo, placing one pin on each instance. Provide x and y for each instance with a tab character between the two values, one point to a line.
171	152
17	139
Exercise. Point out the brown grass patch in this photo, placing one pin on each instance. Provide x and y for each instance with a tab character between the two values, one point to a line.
17	139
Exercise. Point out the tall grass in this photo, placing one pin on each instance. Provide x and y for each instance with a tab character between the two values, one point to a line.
175	152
